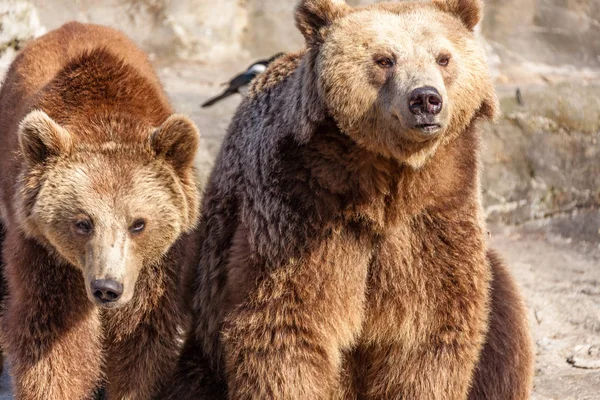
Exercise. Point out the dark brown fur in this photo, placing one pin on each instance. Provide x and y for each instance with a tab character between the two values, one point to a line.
331	269
498	369
98	86
2	288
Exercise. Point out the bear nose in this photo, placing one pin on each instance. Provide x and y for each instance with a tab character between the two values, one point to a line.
425	100
107	290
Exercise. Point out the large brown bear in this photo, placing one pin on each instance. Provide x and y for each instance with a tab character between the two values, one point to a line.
343	248
98	194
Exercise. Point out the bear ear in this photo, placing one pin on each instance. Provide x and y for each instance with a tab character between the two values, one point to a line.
313	16
490	107
41	138
469	12
176	140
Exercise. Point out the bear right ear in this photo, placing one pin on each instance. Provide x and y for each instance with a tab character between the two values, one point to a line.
40	138
177	140
469	12
313	16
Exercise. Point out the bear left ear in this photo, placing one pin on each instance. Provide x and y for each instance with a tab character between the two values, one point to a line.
313	16
40	138
176	140
490	107
469	12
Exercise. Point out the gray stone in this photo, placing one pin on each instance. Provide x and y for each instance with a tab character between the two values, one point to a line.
543	158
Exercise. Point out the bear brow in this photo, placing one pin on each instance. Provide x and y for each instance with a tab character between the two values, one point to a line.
112	147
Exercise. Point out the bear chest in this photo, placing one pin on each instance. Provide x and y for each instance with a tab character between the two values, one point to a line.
417	280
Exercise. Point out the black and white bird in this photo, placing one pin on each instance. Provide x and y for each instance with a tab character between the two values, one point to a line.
240	82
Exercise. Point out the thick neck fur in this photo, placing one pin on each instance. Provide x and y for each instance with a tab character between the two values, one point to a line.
330	180
379	191
354	176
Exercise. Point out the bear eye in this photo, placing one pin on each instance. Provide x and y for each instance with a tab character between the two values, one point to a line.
443	60
83	227
138	226
385	62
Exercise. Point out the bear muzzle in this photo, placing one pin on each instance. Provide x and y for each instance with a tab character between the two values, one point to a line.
425	105
111	271
425	101
422	113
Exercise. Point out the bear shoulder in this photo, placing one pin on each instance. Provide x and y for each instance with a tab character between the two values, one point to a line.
277	72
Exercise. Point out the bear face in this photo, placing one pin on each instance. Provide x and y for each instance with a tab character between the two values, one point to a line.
399	78
107	210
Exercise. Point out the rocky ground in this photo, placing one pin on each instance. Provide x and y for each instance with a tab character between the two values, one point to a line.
560	279
540	162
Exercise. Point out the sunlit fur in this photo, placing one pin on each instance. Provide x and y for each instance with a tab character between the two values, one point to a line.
87	134
342	257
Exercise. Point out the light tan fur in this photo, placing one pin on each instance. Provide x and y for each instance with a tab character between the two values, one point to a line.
97	179
344	253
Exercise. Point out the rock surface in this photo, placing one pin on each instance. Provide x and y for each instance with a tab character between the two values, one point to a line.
543	157
527	35
530	33
19	23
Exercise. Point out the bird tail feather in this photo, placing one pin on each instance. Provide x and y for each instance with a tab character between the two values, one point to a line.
216	99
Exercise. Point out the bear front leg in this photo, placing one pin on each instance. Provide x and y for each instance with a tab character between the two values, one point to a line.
437	371
137	366
437	364
505	367
50	330
426	325
194	379
444	372
285	339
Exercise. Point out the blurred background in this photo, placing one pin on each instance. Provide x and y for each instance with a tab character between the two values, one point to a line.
541	179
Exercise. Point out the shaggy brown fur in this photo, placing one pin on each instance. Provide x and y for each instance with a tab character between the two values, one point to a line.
96	182
502	373
343	245
2	289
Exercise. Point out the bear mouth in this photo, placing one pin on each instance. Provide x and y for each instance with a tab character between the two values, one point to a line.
428	129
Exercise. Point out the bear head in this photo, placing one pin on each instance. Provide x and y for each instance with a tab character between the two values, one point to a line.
398	78
111	208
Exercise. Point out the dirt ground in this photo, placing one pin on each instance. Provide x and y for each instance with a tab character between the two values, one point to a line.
556	262
560	278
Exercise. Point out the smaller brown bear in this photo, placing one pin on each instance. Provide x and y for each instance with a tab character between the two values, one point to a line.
343	249
99	204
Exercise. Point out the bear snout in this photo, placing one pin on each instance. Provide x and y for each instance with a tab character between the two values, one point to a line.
106	291
425	117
